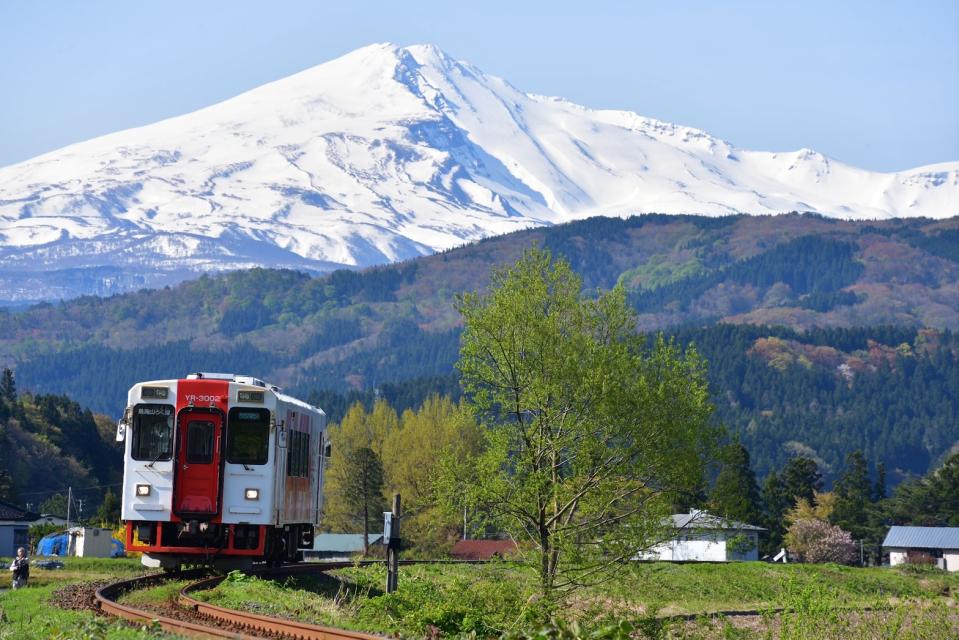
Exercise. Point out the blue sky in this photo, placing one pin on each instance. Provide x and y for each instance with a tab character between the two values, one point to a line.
875	84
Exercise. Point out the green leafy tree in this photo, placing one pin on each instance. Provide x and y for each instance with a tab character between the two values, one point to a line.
364	491
109	512
436	429
55	505
359	429
736	493
591	431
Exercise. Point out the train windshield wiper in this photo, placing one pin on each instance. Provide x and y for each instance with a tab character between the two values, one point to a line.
154	461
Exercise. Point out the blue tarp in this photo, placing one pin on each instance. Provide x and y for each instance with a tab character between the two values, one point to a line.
118	550
54	544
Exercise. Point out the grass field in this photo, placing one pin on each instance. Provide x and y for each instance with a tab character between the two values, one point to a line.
28	614
497	600
492	600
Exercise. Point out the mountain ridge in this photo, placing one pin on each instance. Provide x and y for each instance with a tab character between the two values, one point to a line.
385	154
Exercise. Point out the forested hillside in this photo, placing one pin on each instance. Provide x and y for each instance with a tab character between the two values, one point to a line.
883	383
49	443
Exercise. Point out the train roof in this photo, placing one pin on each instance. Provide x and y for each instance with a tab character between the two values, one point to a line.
242	379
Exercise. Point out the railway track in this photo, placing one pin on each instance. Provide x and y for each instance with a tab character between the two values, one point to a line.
221	622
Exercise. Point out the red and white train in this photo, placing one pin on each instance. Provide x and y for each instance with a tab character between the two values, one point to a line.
220	468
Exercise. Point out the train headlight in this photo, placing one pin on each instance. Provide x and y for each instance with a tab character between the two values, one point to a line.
143	489
252	494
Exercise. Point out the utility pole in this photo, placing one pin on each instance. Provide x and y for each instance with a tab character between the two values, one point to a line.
69	500
391	534
464	523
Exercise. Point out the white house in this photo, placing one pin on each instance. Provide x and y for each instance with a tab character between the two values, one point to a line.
938	545
703	537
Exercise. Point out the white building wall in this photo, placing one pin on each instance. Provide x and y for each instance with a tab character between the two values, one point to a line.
897	556
707	546
951	557
92	543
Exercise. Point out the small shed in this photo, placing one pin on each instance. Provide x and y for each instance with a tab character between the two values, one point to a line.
923	545
339	546
91	542
483	549
699	536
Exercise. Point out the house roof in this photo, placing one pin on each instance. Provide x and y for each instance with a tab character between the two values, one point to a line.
11	512
482	549
923	537
344	542
703	520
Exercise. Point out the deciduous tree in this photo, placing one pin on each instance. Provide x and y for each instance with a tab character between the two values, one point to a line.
359	429
591	430
411	461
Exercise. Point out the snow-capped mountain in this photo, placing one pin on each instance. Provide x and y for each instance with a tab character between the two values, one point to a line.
384	154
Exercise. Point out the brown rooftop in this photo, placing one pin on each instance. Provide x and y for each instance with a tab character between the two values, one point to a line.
483	549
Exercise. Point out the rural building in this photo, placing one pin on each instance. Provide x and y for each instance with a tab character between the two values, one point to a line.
932	545
82	542
483	549
14	528
91	542
339	546
699	536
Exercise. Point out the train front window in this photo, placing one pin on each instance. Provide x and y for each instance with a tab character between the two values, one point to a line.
152	432
248	436
199	441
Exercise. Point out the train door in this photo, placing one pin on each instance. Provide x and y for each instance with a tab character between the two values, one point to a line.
197	484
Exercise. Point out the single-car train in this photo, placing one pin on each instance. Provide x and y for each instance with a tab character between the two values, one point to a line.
220	468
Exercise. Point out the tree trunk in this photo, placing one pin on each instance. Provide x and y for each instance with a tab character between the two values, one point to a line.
366	528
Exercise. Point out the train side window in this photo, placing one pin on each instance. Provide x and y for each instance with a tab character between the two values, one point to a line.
199	442
248	436
152	432
298	455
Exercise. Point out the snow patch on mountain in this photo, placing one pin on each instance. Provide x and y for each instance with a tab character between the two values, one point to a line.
388	153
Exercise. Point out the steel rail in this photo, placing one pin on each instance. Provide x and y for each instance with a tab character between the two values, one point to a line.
106	599
244	619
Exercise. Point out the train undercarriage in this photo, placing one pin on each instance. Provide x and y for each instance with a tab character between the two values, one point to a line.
173	545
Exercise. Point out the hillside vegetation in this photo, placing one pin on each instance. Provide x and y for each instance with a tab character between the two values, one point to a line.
392	331
49	443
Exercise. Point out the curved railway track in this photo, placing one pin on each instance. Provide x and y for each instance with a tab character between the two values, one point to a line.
224	623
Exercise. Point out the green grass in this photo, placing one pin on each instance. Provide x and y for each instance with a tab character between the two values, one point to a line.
826	601
492	600
28	614
80	569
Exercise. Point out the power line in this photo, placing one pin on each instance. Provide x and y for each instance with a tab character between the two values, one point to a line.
48	491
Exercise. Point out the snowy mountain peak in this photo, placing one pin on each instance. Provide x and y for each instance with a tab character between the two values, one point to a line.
387	153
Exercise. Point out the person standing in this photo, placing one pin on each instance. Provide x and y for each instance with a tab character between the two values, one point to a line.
20	568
